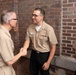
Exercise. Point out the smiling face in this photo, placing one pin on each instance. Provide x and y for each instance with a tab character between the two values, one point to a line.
37	17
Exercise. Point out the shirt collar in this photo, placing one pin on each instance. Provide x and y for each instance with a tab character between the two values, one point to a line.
42	27
5	30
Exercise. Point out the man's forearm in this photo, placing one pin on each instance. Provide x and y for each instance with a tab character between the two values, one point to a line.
51	55
26	45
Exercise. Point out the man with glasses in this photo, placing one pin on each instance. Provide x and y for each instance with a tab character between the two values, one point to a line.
42	39
7	58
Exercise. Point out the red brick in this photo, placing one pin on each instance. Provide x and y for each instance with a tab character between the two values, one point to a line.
74	28
66	27
67	20
64	16
72	0
66	48
63	37
64	1
75	4
71	31
72	24
66	34
71	9
71	52
69	45
64	45
71	16
74	35
68	5
66	41
66	54
68	13
64	23
71	38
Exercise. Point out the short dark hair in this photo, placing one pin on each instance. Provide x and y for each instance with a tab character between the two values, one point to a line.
41	11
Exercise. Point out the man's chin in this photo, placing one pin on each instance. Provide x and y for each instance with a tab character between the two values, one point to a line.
34	22
15	29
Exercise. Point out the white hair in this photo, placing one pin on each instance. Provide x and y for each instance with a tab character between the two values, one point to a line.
7	16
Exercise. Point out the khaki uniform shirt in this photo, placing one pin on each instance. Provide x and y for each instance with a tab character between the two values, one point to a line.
6	52
41	40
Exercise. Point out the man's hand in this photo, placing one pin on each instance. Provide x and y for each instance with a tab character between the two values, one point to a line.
46	66
23	52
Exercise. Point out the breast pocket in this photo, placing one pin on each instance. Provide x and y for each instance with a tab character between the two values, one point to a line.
43	39
43	35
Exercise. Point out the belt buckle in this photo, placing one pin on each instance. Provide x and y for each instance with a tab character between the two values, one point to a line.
38	52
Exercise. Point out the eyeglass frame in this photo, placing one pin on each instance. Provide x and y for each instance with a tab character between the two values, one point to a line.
15	19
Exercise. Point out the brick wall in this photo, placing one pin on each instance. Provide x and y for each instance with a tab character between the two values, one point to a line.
68	27
60	14
53	17
68	35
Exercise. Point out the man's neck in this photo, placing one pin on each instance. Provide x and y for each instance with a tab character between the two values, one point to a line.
40	23
7	26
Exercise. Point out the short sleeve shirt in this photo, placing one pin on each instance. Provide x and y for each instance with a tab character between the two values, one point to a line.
43	39
6	46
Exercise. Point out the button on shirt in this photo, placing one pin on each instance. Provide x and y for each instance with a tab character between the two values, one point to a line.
41	40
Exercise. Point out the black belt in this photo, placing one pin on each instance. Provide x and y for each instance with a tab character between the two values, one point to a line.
39	52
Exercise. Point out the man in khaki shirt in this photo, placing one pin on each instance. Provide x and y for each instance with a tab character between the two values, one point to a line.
43	42
7	58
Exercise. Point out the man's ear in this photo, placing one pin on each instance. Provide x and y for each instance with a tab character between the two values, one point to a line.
10	22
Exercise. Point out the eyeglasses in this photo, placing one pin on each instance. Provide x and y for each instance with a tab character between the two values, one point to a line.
15	19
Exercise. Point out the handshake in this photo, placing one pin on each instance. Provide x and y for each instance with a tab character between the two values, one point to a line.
23	52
